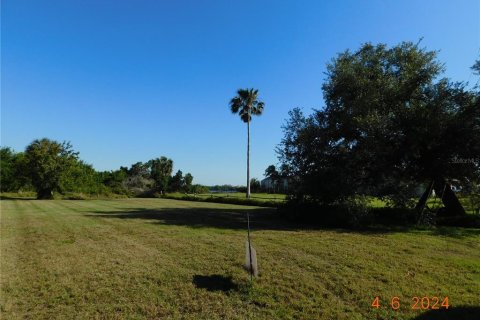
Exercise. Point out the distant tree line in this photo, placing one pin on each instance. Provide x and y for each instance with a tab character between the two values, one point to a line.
228	188
47	166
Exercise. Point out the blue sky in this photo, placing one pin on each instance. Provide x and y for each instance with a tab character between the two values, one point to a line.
128	81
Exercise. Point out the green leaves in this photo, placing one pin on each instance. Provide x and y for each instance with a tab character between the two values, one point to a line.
246	104
48	161
50	166
161	171
12	170
386	123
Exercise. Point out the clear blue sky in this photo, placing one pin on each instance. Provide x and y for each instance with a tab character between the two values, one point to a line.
128	81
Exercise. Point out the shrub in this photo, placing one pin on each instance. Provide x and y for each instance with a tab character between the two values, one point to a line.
74	196
352	212
466	221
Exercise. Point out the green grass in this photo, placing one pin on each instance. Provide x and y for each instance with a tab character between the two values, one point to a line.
375	202
433	203
258	199
161	259
238	195
267	196
18	195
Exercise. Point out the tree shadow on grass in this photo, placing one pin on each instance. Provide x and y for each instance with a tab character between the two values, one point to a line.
456	233
260	219
452	313
227	218
214	282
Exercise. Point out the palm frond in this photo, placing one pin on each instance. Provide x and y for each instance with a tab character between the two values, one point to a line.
258	108
245	117
246	104
235	104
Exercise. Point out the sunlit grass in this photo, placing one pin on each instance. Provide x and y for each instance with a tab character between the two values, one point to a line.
160	258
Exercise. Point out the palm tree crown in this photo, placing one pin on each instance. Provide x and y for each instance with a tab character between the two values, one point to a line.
246	104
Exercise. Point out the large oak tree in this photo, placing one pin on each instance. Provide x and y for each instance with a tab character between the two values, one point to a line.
390	123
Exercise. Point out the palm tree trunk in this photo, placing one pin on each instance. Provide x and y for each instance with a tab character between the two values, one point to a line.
248	159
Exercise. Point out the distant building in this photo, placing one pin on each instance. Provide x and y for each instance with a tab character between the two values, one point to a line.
455	185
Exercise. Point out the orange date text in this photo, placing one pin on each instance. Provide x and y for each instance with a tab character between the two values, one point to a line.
415	303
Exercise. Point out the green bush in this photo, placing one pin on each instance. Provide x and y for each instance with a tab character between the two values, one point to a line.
347	214
466	221
74	196
350	213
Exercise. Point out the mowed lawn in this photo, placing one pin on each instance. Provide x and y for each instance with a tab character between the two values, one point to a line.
161	259
261	197
265	196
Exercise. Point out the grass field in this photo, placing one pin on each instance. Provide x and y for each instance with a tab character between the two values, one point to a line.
264	196
161	258
256	199
237	195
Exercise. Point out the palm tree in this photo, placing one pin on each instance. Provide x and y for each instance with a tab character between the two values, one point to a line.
272	173
160	171
246	104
